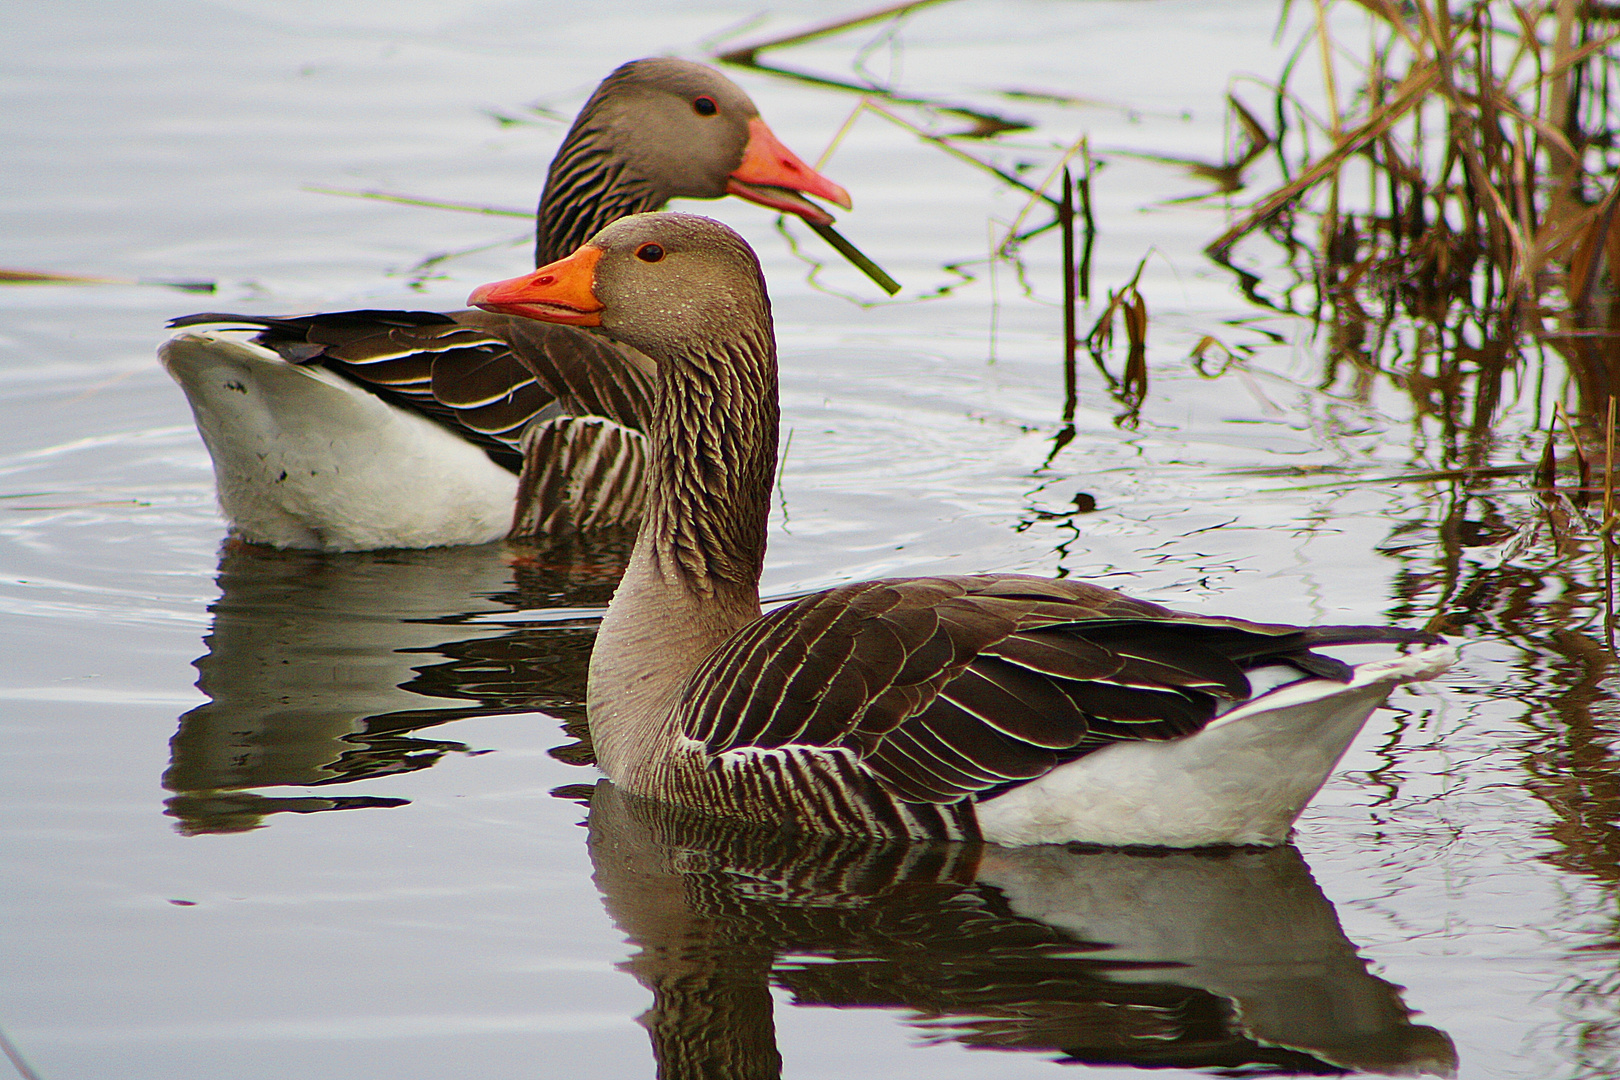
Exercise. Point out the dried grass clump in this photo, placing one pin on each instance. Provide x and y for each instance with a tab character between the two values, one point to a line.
1463	206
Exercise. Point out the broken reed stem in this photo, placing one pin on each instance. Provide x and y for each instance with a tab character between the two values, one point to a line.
1038	193
1130	388
838	136
849	251
1325	44
745	55
984	124
413	200
1091	227
961	155
1411	92
1608	473
18	1062
39	277
1606	534
1583	468
1066	223
854	255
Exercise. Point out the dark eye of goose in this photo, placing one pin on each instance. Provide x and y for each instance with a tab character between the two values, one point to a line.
649	252
705	106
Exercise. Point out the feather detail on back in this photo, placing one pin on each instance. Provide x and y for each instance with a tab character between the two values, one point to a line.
580	473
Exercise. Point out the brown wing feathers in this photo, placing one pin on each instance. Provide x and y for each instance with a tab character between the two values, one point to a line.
949	688
946	754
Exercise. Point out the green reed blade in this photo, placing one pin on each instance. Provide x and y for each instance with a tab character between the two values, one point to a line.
862	263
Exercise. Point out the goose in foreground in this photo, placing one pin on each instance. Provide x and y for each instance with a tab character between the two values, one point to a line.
1016	709
373	429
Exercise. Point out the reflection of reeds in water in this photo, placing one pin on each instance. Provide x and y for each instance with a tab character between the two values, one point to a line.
1527	576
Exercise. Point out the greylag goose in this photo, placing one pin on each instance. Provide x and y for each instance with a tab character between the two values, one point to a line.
373	429
1016	709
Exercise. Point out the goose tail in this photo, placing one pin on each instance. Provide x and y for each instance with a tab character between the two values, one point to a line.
1241	780
303	458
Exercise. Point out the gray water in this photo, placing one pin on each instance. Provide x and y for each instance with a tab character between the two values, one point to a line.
282	815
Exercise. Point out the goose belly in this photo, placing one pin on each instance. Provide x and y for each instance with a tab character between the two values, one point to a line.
1241	780
305	459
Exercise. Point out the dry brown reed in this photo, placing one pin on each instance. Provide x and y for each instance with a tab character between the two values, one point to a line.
1485	236
1129	387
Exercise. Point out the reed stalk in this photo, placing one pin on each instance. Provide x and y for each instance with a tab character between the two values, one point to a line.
1488	228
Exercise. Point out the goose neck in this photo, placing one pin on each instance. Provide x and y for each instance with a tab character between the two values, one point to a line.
713	459
693	579
588	188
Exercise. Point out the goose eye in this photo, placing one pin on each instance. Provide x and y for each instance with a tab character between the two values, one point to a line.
705	106
649	253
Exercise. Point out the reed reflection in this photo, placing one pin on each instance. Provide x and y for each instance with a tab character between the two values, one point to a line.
1229	958
324	669
1532	576
1506	567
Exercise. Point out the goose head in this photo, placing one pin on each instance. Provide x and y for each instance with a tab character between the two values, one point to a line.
686	291
661	128
672	285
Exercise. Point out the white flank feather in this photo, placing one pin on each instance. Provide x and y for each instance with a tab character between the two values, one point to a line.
305	459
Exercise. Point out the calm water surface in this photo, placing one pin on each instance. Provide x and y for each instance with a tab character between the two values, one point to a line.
270	815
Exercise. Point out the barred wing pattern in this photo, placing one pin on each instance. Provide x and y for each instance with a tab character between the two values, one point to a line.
500	382
943	690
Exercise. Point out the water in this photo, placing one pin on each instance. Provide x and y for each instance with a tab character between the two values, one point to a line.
270	815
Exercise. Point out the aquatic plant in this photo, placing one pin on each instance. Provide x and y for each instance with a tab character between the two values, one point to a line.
1452	204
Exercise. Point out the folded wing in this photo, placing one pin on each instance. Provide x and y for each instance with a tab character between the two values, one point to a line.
959	687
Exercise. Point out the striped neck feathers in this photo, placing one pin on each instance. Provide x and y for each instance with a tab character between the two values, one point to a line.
713	458
588	188
636	144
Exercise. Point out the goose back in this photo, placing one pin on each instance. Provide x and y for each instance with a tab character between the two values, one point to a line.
562	409
888	707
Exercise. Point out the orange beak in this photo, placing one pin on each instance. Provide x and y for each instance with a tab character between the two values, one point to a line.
560	292
770	173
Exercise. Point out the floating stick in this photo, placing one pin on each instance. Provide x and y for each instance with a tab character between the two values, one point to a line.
34	277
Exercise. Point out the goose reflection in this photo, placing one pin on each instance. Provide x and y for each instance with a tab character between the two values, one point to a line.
323	669
1227	958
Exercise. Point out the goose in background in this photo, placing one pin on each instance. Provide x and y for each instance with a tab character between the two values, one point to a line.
1018	709
358	430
